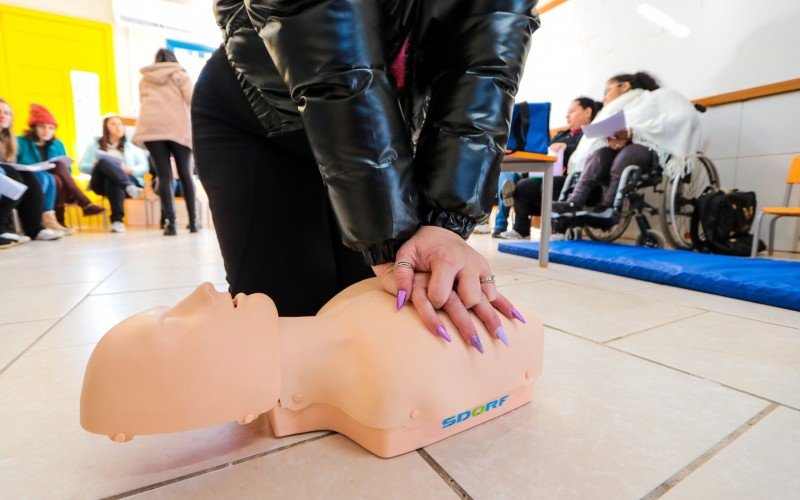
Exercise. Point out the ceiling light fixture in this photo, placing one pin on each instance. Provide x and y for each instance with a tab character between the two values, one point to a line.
664	20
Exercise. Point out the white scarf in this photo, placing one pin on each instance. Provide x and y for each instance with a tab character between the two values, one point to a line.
662	120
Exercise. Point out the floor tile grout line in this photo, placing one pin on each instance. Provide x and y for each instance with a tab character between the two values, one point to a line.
663	365
154	289
710	453
214	468
650	328
58	320
447	478
28	321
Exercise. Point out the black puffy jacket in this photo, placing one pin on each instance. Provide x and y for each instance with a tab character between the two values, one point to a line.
390	160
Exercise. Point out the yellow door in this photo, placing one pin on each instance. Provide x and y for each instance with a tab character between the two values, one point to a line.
39	52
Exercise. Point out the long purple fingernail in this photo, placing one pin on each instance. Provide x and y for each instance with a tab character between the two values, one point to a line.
517	315
502	336
401	299
476	343
443	333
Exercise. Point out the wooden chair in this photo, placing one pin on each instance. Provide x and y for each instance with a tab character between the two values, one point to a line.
778	212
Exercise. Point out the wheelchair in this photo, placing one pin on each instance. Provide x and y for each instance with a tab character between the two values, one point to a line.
677	201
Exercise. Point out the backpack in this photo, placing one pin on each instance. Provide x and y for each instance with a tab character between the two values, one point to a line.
530	127
725	219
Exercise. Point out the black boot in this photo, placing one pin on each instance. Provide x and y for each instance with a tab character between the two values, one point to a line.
193	227
169	227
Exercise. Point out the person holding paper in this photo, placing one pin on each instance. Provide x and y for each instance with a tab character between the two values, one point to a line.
528	192
39	144
29	205
657	121
116	167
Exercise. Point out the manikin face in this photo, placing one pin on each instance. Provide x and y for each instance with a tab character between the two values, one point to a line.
206	310
45	131
5	116
116	129
577	116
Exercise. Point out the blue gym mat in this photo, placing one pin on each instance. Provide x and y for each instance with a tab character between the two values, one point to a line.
766	281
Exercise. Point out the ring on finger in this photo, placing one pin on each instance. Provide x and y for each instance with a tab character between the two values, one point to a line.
403	263
487	279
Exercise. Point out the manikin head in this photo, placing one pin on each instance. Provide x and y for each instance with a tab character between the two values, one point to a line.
244	376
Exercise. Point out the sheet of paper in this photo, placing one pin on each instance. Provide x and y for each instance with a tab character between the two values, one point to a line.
606	128
36	167
113	159
66	160
11	188
558	166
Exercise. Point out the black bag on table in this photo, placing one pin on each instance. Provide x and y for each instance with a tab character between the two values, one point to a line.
725	219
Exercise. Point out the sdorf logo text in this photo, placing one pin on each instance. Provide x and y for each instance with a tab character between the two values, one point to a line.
466	414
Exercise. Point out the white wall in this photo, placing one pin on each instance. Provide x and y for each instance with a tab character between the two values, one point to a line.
752	143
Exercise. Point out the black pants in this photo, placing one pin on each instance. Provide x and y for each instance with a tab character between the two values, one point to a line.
160	152
29	206
275	226
528	201
110	181
607	165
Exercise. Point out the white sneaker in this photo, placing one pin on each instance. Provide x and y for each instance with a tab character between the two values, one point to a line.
511	235
482	229
49	234
134	192
558	237
19	238
118	227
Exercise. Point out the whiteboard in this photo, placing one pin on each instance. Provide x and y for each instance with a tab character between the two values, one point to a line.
730	45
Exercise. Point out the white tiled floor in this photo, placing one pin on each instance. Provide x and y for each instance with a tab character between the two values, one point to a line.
647	390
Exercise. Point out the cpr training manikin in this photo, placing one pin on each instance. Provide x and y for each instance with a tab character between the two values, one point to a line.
359	367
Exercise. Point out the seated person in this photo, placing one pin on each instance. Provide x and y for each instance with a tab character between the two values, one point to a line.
659	120
528	192
115	181
29	206
39	144
210	360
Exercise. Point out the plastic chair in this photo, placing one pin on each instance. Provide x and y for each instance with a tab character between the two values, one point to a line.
778	212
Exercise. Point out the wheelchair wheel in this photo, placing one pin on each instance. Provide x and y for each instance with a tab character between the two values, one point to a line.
650	239
614	232
677	204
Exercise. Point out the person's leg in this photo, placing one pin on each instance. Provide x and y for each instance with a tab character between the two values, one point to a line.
250	180
632	154
48	186
501	219
183	160
6	203
527	202
116	198
61	199
70	189
594	172
159	152
30	206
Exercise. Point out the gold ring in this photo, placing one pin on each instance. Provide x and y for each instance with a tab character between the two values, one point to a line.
403	263
487	279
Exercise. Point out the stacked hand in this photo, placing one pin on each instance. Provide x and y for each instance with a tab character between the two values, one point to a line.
437	270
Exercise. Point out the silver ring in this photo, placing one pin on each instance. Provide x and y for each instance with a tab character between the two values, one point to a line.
403	263
487	279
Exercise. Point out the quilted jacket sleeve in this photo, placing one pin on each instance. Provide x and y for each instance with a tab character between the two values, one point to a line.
469	59
330	54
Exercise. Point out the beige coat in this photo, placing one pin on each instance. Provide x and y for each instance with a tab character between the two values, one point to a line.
166	96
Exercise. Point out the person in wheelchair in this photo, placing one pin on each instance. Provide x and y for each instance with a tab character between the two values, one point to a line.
660	121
